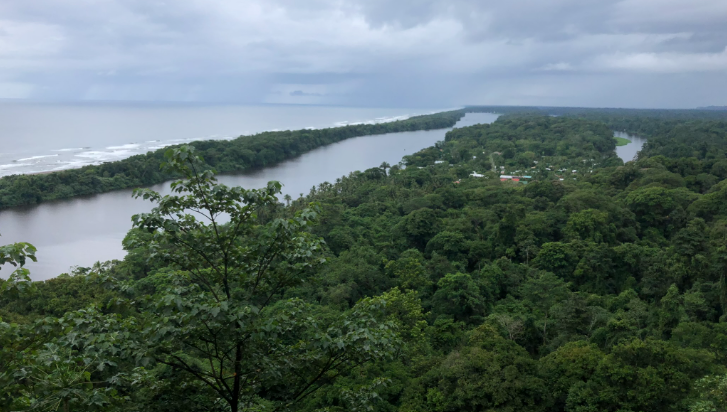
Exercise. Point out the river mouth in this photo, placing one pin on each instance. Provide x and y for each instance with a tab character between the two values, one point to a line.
84	230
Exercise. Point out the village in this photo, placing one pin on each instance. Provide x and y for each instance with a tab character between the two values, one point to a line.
495	166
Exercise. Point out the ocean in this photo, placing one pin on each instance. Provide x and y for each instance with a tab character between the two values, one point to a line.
46	137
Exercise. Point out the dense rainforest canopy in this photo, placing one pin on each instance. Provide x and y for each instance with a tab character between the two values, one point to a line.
591	285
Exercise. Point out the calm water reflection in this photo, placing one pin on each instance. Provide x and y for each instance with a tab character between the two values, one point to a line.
82	231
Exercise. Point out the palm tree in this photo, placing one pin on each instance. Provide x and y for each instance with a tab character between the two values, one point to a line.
385	166
287	200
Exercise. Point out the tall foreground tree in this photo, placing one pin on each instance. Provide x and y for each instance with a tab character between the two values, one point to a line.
12	342
17	254
219	315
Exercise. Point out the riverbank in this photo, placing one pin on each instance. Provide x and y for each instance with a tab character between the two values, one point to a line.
85	229
242	154
621	141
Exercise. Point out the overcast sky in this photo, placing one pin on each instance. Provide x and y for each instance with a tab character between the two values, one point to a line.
427	53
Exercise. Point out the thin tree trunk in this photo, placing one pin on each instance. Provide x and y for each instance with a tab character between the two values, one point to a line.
238	379
722	293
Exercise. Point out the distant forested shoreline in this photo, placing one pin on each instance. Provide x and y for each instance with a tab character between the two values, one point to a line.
590	285
265	149
241	154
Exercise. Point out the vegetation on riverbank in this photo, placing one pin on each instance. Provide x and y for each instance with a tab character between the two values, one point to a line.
621	141
265	149
434	290
237	155
642	117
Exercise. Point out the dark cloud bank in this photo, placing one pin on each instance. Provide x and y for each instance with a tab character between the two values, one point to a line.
629	53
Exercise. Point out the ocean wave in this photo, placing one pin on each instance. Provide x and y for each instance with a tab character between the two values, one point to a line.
377	120
11	165
106	156
70	150
161	146
125	146
35	158
72	165
76	157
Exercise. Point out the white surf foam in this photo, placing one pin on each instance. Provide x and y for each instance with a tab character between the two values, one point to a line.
125	146
11	165
71	157
105	156
72	165
377	120
161	146
70	150
35	158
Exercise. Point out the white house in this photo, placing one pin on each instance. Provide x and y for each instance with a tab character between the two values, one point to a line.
475	174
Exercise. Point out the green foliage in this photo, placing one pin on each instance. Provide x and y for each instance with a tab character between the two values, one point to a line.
567	367
243	153
16	255
640	375
221	320
406	289
490	373
459	296
621	141
712	394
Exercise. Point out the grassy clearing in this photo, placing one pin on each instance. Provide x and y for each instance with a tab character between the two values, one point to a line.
622	141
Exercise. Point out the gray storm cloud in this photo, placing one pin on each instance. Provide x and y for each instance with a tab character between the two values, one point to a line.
629	53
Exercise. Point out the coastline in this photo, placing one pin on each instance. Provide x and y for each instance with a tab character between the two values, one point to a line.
90	136
226	156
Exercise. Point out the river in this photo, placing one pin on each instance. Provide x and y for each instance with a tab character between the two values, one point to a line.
629	151
43	137
81	231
